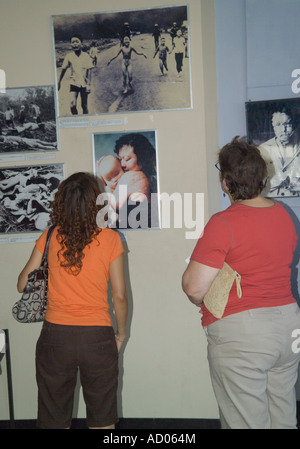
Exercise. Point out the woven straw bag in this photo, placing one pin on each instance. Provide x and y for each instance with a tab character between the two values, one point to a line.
216	298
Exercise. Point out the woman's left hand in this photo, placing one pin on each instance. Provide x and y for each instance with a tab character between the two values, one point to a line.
119	341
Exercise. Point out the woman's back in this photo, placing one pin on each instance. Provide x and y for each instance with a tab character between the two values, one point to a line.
256	242
81	299
262	239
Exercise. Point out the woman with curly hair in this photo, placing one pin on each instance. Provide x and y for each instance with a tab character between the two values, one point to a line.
77	332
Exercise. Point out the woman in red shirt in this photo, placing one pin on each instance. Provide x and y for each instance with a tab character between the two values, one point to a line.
250	349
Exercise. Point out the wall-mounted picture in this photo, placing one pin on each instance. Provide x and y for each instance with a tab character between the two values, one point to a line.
126	165
26	193
274	126
28	120
123	61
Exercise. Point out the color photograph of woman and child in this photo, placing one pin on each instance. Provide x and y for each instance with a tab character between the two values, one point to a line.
126	164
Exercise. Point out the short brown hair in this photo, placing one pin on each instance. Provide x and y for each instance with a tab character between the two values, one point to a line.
243	169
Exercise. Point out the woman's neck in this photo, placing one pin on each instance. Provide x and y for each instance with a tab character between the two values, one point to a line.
258	201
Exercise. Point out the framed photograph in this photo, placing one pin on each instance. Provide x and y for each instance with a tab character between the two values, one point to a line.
122	61
26	193
274	127
28	120
126	165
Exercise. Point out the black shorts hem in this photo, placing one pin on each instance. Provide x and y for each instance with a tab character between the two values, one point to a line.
45	426
107	423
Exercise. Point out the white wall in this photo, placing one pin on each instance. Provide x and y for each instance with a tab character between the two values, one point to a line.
164	370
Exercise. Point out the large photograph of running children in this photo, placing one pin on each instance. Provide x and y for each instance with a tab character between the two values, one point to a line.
125	61
126	165
28	120
26	193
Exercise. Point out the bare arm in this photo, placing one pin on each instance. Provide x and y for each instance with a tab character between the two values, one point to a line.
140	54
197	280
120	51
62	74
120	303
33	263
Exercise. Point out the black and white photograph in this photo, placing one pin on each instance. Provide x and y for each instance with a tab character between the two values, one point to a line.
274	127
126	165
28	120
26	193
123	61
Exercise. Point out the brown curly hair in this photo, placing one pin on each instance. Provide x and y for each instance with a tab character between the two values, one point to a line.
74	212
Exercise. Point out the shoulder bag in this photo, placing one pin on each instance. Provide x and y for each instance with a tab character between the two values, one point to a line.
32	306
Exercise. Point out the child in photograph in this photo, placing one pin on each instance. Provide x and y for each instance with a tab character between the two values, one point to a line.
110	171
185	33
94	53
173	31
179	50
162	51
80	65
126	51
156	34
125	32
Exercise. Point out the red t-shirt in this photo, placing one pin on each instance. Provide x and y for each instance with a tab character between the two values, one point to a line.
259	244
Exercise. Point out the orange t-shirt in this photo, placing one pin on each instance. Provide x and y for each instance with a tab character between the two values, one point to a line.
82	299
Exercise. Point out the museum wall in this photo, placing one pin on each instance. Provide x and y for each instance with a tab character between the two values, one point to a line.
163	367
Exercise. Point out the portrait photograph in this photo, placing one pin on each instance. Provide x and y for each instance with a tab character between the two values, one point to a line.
26	194
123	61
127	167
28	120
274	127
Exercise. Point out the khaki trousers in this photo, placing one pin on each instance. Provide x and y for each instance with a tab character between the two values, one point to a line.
254	369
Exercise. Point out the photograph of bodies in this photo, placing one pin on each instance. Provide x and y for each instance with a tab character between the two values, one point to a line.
122	61
28	120
26	193
274	126
126	165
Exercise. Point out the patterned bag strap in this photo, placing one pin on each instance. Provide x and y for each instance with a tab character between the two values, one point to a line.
45	255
